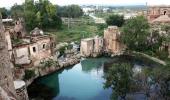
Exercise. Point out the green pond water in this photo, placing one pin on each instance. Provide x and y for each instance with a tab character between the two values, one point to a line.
83	81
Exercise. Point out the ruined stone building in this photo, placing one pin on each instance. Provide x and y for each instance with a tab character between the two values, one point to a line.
27	49
91	46
158	14
97	45
112	42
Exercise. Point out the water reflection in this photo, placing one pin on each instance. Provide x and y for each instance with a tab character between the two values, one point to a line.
84	81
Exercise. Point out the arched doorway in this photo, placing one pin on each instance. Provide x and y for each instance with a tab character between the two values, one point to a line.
165	12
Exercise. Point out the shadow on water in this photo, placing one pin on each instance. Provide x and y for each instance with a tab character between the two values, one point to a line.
39	90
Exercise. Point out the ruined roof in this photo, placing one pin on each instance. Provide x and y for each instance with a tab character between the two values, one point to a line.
162	19
36	32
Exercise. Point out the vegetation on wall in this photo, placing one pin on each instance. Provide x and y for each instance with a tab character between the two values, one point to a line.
29	74
48	63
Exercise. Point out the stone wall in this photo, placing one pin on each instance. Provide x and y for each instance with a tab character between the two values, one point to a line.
112	42
40	50
86	47
6	76
91	46
21	55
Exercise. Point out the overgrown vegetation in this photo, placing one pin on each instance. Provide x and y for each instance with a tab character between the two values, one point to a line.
135	32
70	11
17	41
48	63
115	20
42	13
29	74
86	28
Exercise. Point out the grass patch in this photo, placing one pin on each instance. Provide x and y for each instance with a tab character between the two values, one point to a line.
84	29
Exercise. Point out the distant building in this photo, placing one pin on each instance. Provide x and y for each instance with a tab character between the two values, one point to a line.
112	42
88	10
158	14
91	46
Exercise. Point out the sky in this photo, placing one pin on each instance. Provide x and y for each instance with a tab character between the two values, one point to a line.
9	3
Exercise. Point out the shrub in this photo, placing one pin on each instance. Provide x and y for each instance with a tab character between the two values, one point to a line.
29	74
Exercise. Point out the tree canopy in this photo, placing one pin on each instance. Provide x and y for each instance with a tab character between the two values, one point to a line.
116	20
70	11
4	12
135	32
42	14
17	11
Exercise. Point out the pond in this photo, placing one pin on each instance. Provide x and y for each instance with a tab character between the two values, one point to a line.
83	81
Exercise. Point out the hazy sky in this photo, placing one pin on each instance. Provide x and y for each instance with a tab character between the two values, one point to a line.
9	3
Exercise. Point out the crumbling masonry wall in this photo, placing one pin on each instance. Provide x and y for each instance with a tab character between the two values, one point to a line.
6	77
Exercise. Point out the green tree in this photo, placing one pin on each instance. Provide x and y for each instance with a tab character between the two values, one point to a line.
154	41
166	36
119	78
42	14
4	12
135	32
70	11
162	77
30	14
17	11
116	20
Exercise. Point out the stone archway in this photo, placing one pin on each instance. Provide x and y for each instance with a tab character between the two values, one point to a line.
165	12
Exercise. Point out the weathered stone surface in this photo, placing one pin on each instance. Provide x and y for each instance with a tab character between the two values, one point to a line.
91	46
4	95
112	42
6	77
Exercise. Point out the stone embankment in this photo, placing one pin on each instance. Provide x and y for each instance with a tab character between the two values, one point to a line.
150	57
69	61
62	63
